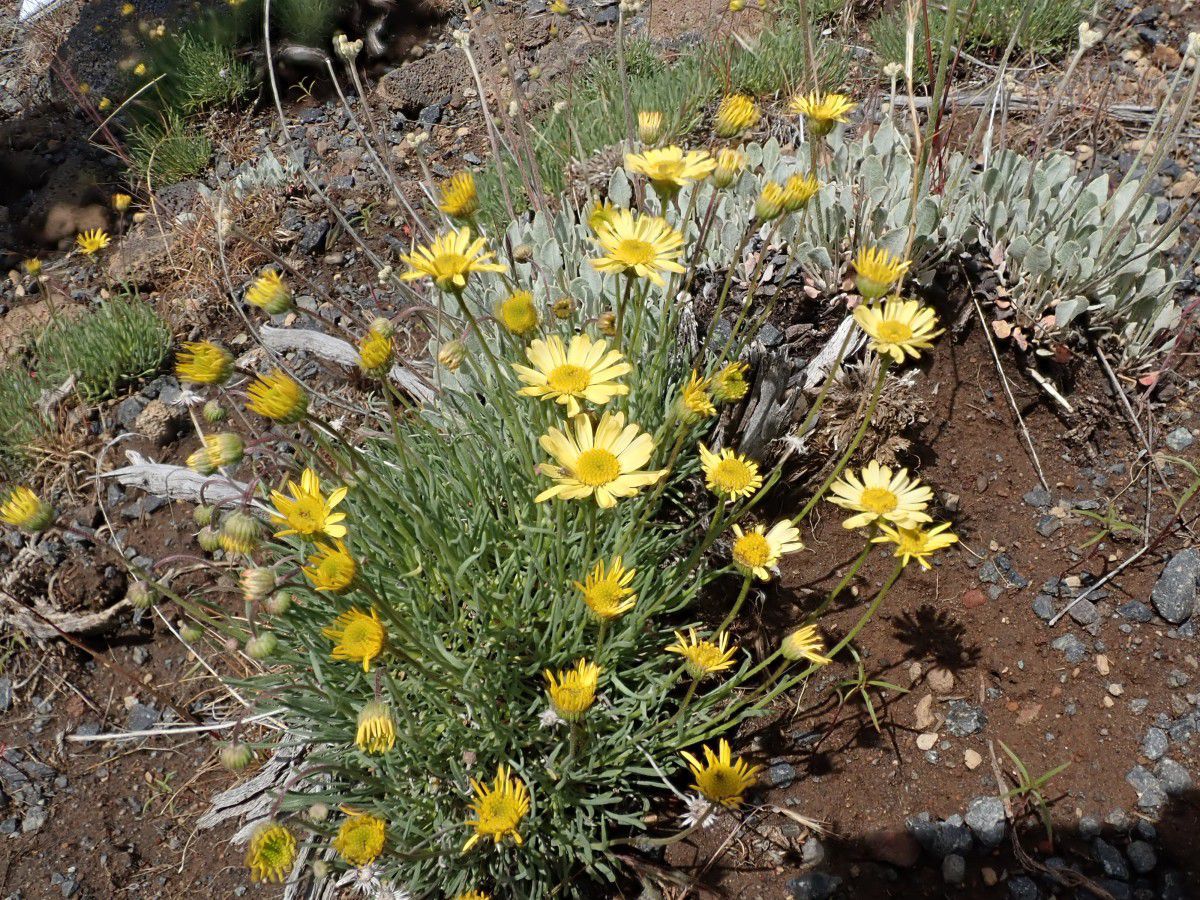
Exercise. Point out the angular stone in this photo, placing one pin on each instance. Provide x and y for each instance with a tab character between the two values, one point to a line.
1154	744
1174	596
780	775
1180	439
1110	859
814	886
1039	497
1084	612
1072	647
1022	887
985	818
1135	611
1043	607
963	719
1174	778
1150	791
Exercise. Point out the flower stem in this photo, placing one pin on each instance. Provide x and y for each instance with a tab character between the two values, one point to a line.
737	604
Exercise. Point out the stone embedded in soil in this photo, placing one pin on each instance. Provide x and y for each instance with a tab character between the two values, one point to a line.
1173	777
954	869
1174	596
1022	887
1135	611
1180	439
780	775
1142	857
1039	497
1043	607
142	717
814	886
1048	526
1154	744
1150	791
963	719
1110	859
812	853
1084	612
1089	827
1072	647
985	818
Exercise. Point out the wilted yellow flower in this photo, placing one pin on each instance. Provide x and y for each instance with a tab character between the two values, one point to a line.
728	474
360	839
668	169
277	397
563	308
876	270
573	691
881	497
518	313
139	69
459	198
269	293
271	853
823	111
450	260
121	202
730	164
605	463
805	643
331	568
702	657
602	215
898	327
916	543
357	637
22	508
641	247
499	808
721	778
585	370
307	512
798	190
376	728
91	242
33	267
650	125
770	201
736	114
757	551
695	402
729	385
203	362
375	352
607	593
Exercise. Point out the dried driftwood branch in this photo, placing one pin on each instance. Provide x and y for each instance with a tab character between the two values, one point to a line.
177	482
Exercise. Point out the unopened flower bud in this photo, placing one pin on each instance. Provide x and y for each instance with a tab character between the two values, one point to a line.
235	756
451	355
650	125
202	515
278	603
607	323
770	201
563	308
261	645
141	595
240	533
191	632
522	253
257	583
214	413
317	813
209	539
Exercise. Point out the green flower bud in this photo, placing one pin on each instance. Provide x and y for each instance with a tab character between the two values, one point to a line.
209	539
141	595
235	756
240	533
214	413
262	645
203	515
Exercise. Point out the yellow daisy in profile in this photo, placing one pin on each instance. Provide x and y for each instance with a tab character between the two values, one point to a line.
499	808
22	508
121	202
376	732
721	778
805	643
823	111
518	313
602	215
271	854
916	543
650	125
605	463
92	242
357	637
728	474
900	328
639	247
375	349
331	568
203	362
668	169
702	657
450	260
607	592
573	691
878	496
585	370
216	452
270	293
139	70
277	397
876	270
360	839
758	551
729	385
307	512
769	204
736	114
798	190
730	164
695	402
459	198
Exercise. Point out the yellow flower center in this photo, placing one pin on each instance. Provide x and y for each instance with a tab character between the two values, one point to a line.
596	467
732	475
893	332
604	596
569	379
361	637
633	252
667	171
721	783
449	264
910	542
752	550
498	813
307	516
878	500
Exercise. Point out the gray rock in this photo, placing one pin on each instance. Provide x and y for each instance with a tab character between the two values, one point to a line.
1110	859
963	719
1174	596
1135	611
1043	607
142	717
954	869
1177	679
35	818
985	818
814	886
1022	887
1180	439
1174	778
1154	744
1048	526
951	836
1089	827
1142	857
1039	497
1072	647
1084	612
1151	794
128	410
780	775
812	853
5	694
313	236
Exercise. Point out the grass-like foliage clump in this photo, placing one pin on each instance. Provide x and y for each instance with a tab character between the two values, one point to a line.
169	149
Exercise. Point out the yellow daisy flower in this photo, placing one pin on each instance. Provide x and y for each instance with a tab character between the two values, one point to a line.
879	496
900	328
360	839
271	853
823	111
605	462
573	691
331	568
603	214
92	242
104	104
480	895
357	637
22	508
607	593
916	543
217	451
805	643
769	204
33	267
729	385
736	114
701	657
498	808
876	271
758	551
650	125
566	374
375	350
728	474
139	70
376	728
668	169
695	402
121	202
459	198
798	190
203	362
721	778
270	293
518	313
639	247
730	164
307	512
278	397
450	260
